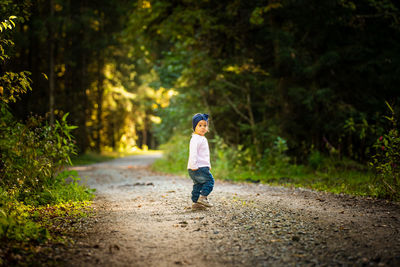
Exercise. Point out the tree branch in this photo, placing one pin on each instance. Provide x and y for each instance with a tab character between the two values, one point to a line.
236	109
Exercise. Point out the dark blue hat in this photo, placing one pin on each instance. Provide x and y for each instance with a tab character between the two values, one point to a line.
199	117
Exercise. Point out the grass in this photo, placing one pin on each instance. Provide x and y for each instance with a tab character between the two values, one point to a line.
42	219
353	181
347	182
337	177
29	231
164	165
93	157
90	158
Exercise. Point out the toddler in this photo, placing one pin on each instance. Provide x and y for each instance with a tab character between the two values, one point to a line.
199	163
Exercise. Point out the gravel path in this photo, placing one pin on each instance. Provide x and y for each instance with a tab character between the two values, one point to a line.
144	219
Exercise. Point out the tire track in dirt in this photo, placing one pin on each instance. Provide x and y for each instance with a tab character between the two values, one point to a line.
144	219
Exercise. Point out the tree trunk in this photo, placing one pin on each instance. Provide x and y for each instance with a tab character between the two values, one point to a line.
51	63
83	112
100	93
144	133
252	122
83	134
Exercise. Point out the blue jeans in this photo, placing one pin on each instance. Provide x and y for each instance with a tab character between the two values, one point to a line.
203	182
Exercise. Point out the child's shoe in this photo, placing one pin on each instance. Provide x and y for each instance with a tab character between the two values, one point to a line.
197	206
204	201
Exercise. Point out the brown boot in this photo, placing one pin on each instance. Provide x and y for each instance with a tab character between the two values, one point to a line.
204	201
197	206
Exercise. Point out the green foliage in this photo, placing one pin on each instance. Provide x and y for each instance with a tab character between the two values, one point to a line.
32	153
263	70
7	24
37	200
89	158
315	159
236	164
225	158
95	77
12	84
386	161
65	188
258	12
25	223
59	218
178	152
15	223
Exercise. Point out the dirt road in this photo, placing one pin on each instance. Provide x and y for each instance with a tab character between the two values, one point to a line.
144	219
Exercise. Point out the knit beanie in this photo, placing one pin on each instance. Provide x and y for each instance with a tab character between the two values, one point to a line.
198	117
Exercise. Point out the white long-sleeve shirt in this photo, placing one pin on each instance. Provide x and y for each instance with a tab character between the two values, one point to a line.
199	152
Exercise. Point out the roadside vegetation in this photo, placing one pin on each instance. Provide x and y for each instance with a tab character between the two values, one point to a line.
299	93
331	173
294	97
40	201
323	173
91	157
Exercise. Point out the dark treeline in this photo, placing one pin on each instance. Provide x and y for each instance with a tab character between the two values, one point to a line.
80	63
315	73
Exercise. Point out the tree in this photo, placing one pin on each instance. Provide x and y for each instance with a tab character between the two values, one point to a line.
296	69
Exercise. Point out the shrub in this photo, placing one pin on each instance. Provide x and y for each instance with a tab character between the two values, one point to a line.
315	159
386	161
15	223
225	159
28	223
176	156
32	153
65	188
275	161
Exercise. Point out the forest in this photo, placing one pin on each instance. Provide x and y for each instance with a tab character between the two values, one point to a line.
297	82
302	93
315	74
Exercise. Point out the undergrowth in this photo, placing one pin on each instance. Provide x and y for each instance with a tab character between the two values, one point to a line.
39	202
322	173
91	157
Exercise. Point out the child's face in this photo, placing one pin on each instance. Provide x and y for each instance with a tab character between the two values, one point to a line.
201	128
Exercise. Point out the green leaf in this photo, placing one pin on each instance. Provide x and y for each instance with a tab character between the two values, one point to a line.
65	116
72	127
387	104
388	118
